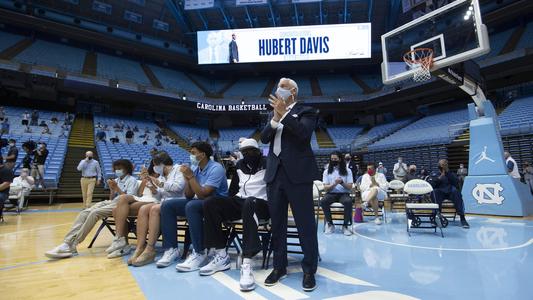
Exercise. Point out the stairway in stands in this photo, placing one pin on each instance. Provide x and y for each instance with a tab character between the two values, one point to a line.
181	142
81	140
458	151
323	139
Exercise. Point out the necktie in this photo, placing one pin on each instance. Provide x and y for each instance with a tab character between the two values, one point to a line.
277	139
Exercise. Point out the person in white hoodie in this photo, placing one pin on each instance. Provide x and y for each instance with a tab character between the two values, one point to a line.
373	188
247	201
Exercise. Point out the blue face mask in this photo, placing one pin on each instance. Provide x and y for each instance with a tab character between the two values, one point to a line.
119	173
284	94
194	161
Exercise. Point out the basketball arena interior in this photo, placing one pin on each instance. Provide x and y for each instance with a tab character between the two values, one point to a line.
257	149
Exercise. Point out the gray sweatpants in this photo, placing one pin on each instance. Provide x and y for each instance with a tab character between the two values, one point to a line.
87	219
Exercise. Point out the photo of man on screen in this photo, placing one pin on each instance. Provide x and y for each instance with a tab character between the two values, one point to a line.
233	50
212	51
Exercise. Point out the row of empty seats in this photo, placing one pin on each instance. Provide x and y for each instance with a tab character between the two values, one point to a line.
190	133
54	55
517	117
434	129
8	39
344	135
229	137
380	131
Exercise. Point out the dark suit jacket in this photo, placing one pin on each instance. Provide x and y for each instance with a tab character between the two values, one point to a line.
296	156
233	51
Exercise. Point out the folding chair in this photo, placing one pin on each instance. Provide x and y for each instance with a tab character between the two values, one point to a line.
424	215
235	231
109	223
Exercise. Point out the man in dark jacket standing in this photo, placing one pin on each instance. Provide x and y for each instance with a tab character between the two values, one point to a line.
291	170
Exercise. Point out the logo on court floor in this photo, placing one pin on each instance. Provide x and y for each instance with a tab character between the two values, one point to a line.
483	156
488	193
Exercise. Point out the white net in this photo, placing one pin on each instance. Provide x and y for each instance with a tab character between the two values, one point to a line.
420	61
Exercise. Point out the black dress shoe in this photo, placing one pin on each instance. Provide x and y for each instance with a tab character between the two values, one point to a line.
309	283
464	223
275	276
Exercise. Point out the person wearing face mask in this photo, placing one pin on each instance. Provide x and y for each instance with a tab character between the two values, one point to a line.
12	154
24	182
411	174
205	178
373	189
247	201
446	186
381	169
37	168
87	218
462	172
400	170
91	174
170	184
291	170
338	181
352	165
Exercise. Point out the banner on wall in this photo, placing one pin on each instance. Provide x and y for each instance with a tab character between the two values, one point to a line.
230	107
250	2
296	43
198	4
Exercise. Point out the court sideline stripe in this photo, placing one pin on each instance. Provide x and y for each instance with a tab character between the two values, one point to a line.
234	286
444	249
33	229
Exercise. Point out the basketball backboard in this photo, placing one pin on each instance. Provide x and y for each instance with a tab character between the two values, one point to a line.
454	32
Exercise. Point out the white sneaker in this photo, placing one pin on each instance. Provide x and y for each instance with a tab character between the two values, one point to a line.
377	220
118	243
346	230
330	228
218	263
247	281
170	256
192	263
121	252
62	251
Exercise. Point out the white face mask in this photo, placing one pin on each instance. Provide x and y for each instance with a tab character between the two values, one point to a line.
194	161
159	169
284	94
119	173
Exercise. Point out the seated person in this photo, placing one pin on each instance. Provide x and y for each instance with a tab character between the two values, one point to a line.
126	184
206	178
338	181
247	201
5	127
101	136
446	186
170	183
115	140
6	177
46	130
373	189
411	173
43	123
24	183
54	120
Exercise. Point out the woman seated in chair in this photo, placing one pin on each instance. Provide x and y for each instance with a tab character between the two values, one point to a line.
23	184
373	189
146	205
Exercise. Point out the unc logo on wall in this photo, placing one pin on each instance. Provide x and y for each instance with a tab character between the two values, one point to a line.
488	193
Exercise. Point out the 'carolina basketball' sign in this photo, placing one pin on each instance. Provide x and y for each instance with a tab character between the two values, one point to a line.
231	107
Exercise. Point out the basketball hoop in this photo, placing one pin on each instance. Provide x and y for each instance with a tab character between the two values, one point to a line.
420	61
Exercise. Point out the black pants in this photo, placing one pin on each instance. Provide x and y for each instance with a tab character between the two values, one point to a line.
342	198
281	192
220	209
453	195
24	122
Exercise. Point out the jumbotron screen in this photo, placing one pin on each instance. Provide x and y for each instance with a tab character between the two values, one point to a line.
275	44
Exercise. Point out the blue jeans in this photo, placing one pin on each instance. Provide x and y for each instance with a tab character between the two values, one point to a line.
190	208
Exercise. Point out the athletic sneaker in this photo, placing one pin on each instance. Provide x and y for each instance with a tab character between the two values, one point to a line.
346	230
377	220
121	252
170	256
247	281
217	264
62	251
118	243
330	228
364	205
192	263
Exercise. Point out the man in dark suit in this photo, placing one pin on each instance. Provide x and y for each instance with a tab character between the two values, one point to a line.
233	50
291	170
